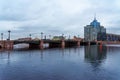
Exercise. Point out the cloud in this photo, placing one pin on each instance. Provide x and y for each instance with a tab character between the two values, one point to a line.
56	16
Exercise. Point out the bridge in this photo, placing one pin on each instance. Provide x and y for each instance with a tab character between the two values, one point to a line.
52	43
8	44
39	43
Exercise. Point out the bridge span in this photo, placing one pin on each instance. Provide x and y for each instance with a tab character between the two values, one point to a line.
52	43
8	44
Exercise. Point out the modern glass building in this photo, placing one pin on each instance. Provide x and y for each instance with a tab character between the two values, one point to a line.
94	31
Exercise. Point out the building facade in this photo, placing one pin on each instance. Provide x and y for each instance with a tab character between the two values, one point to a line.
94	31
112	37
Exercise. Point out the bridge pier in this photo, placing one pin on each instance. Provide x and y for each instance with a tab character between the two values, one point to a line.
101	43
89	43
63	44
97	43
6	44
41	44
78	43
9	45
2	43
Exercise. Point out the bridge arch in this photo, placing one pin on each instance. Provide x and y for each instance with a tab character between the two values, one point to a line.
28	43
1	45
21	45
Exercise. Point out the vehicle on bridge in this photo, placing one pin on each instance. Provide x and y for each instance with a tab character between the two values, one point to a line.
24	39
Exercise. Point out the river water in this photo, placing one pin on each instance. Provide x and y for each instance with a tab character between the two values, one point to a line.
78	63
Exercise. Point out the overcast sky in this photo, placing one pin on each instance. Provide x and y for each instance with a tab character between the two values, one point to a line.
54	17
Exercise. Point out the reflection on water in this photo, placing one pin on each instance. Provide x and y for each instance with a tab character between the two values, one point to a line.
95	55
9	54
113	48
83	63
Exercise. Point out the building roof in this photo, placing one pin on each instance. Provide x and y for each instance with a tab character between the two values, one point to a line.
95	23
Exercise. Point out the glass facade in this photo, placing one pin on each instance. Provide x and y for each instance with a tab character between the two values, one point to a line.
94	31
95	23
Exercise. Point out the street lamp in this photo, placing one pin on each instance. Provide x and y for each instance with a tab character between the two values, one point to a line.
41	35
30	35
9	34
1	36
62	36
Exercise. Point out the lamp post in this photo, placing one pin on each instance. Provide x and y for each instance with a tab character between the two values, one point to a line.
41	35
9	34
30	36
62	36
1	36
78	36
